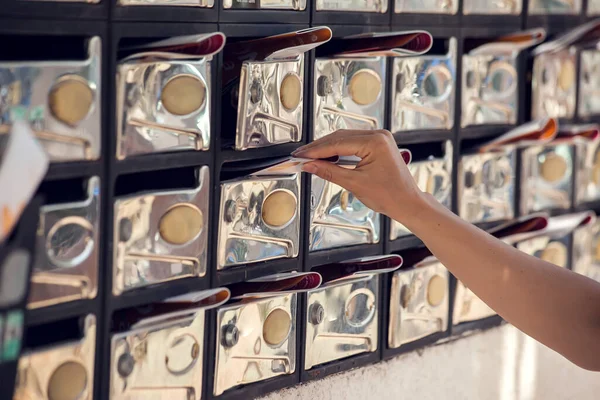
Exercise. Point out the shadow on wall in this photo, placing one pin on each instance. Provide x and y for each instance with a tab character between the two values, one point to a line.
500	364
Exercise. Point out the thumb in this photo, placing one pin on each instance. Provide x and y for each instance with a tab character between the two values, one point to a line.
330	172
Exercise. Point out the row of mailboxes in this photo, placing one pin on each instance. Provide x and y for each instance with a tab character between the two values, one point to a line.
164	89
161	236
158	349
450	7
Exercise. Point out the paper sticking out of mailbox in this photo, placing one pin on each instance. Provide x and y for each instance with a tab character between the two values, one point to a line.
176	48
276	285
366	266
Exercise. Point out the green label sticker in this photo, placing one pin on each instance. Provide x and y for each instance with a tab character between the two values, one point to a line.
12	336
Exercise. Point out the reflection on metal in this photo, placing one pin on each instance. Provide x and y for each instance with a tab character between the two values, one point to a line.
259	220
62	371
424	90
161	236
486	186
256	340
338	218
490	79
349	93
61	100
433	176
545	7
161	357
486	7
374	6
296	5
342	320
66	267
589	84
149	121
426	6
554	74
593	7
546	177
419	302
270	105
171	3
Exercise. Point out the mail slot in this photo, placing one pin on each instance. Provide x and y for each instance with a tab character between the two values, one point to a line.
60	99
256	332
66	266
491	78
263	84
342	314
160	236
419	299
164	95
424	87
60	370
554	74
157	351
180	3
259	219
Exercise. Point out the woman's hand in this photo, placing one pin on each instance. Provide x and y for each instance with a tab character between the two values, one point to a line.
381	180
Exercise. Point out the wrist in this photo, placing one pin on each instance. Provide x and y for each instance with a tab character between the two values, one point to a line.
413	208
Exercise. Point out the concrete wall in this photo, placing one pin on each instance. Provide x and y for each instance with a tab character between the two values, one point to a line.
500	364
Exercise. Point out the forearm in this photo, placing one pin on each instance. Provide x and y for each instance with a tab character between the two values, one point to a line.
555	306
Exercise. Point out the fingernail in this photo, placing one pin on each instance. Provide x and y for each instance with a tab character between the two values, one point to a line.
310	168
298	153
298	150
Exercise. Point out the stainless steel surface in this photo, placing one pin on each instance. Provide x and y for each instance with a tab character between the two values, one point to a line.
589	83
43	372
587	187
554	84
593	7
426	6
184	3
424	90
142	254
66	266
244	236
543	7
262	118
163	359
26	90
339	219
342	320
539	193
536	246
468	307
143	123
412	315
334	107
433	176
298	5
490	84
499	7
486	186
252	358
379	6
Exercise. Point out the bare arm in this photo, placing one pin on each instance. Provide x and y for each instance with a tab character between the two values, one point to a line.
555	306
